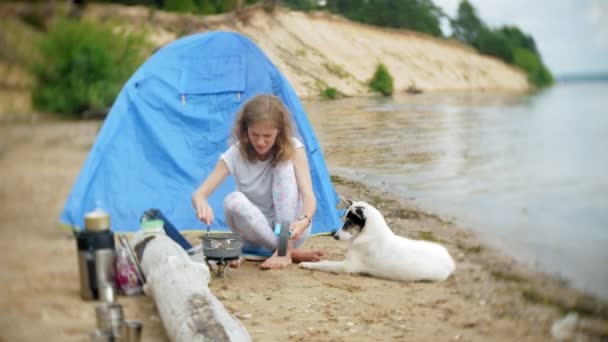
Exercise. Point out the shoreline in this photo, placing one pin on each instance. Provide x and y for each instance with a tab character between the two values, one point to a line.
469	242
489	297
484	237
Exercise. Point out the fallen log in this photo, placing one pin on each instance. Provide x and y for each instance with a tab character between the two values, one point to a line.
188	309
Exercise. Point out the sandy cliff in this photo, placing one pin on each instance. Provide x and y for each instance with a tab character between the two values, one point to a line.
318	50
313	50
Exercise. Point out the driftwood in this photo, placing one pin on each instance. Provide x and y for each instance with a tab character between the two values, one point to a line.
188	309
412	89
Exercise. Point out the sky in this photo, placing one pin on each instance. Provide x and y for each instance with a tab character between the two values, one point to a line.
571	35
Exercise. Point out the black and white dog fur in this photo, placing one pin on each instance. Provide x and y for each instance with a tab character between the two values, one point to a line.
376	251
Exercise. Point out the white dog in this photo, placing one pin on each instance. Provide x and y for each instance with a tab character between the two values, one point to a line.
376	251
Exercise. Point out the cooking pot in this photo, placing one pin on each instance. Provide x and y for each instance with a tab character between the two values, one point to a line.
222	246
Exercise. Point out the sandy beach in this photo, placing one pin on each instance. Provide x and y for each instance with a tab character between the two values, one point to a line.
490	297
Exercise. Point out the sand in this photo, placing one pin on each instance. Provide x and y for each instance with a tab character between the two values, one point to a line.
490	297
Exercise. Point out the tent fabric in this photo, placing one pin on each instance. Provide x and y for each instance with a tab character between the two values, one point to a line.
168	127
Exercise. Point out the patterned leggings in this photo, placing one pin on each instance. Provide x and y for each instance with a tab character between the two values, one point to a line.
246	219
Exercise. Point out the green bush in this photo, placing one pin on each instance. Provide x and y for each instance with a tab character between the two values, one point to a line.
329	93
538	74
382	81
181	6
83	67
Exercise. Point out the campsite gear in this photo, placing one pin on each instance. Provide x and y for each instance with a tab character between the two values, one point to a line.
131	331
222	246
167	226
109	318
127	277
156	149
100	336
282	231
152	227
220	249
88	242
97	220
107	293
132	258
105	266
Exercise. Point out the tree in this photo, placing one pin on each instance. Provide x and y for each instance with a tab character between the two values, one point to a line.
467	25
416	15
538	74
494	43
517	38
181	6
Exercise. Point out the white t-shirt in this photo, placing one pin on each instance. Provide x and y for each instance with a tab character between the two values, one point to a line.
253	179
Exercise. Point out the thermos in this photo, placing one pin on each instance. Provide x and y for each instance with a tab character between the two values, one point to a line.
96	255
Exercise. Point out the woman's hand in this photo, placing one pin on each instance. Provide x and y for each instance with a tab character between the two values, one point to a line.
204	212
297	228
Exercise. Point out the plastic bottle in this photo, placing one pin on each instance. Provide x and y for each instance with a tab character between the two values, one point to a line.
152	227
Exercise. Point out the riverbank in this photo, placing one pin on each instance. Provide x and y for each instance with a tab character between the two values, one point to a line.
490	296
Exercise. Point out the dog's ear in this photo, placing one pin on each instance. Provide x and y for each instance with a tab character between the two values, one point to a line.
358	211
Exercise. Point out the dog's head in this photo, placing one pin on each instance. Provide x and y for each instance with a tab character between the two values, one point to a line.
355	220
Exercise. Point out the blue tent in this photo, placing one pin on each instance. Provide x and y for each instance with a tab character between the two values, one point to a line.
168	127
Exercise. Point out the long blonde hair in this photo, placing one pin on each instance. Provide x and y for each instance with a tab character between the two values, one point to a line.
264	108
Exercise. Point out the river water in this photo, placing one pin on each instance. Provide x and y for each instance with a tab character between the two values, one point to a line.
528	173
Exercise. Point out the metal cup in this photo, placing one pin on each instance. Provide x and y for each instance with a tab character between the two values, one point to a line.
131	331
100	336
109	318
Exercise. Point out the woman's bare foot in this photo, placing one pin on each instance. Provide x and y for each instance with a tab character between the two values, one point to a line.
276	262
298	255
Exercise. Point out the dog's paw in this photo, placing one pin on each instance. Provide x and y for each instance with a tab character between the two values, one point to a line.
307	265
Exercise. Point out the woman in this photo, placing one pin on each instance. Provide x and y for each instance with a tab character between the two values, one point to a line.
273	183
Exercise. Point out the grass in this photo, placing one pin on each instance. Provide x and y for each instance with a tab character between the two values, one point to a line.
376	200
471	250
407	214
428	236
329	93
343	181
336	70
507	277
585	305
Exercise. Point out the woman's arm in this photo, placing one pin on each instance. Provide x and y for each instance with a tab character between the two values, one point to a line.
204	212
300	164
